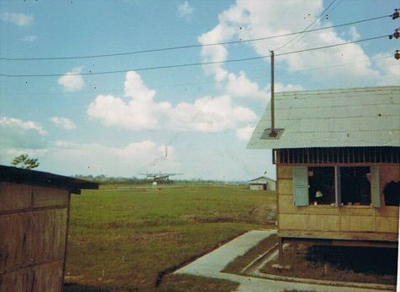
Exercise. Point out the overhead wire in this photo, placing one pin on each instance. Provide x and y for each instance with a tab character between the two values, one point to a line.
331	46
301	36
188	46
211	82
310	25
187	64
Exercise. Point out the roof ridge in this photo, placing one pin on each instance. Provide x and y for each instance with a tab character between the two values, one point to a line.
334	90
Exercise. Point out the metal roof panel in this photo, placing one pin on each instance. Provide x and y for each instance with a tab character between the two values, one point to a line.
349	117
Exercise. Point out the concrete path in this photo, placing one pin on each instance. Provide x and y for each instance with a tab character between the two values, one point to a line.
213	263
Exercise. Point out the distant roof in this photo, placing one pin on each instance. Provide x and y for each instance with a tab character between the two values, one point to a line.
348	117
262	177
33	177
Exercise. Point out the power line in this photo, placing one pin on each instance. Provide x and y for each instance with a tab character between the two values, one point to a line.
339	65
211	82
315	23
188	64
308	26
332	46
190	46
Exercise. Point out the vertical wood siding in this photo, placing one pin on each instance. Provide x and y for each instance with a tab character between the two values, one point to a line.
33	224
344	222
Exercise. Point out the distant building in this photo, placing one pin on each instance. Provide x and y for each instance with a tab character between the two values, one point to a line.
337	155
262	183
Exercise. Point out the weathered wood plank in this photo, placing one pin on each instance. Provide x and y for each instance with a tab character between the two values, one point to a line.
33	237
51	226
18	281
357	210
293	221
323	210
40	278
13	241
48	277
323	223
43	197
284	172
357	223
286	206
387	224
285	187
340	235
14	196
389	211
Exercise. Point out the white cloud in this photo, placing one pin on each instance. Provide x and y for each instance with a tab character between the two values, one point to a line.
19	134
64	123
142	112
29	38
71	82
185	10
129	160
218	53
256	19
26	126
280	87
389	69
209	114
241	86
354	33
244	134
19	19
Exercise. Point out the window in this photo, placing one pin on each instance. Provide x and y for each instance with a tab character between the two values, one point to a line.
321	189
355	187
336	186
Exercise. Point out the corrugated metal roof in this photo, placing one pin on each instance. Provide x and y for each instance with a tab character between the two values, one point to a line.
349	117
39	178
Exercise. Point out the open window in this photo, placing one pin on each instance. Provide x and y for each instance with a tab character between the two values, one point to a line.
355	187
336	186
321	181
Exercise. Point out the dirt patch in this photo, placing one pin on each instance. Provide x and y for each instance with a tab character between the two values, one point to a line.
72	287
336	263
117	225
239	263
263	214
153	237
215	219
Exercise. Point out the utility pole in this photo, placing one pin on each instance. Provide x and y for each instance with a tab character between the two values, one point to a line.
273	132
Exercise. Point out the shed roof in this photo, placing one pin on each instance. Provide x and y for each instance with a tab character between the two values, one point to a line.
33	177
348	117
262	178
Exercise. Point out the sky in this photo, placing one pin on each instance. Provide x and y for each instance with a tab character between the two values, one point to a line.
193	120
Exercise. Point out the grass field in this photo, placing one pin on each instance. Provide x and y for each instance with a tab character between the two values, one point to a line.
122	237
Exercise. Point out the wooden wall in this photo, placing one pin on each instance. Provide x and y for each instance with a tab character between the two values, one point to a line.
331	222
33	228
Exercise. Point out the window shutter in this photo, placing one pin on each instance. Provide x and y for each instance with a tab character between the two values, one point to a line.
300	186
375	189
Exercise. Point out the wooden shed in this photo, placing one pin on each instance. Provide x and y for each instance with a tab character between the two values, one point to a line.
262	183
337	155
34	214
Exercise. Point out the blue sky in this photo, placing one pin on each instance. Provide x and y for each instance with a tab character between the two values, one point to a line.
192	120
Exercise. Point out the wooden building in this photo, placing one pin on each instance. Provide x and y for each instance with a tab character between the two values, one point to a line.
34	214
262	183
337	155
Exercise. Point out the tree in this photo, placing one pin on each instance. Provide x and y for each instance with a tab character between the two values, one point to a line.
23	161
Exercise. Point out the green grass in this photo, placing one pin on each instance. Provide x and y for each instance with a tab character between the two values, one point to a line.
122	238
